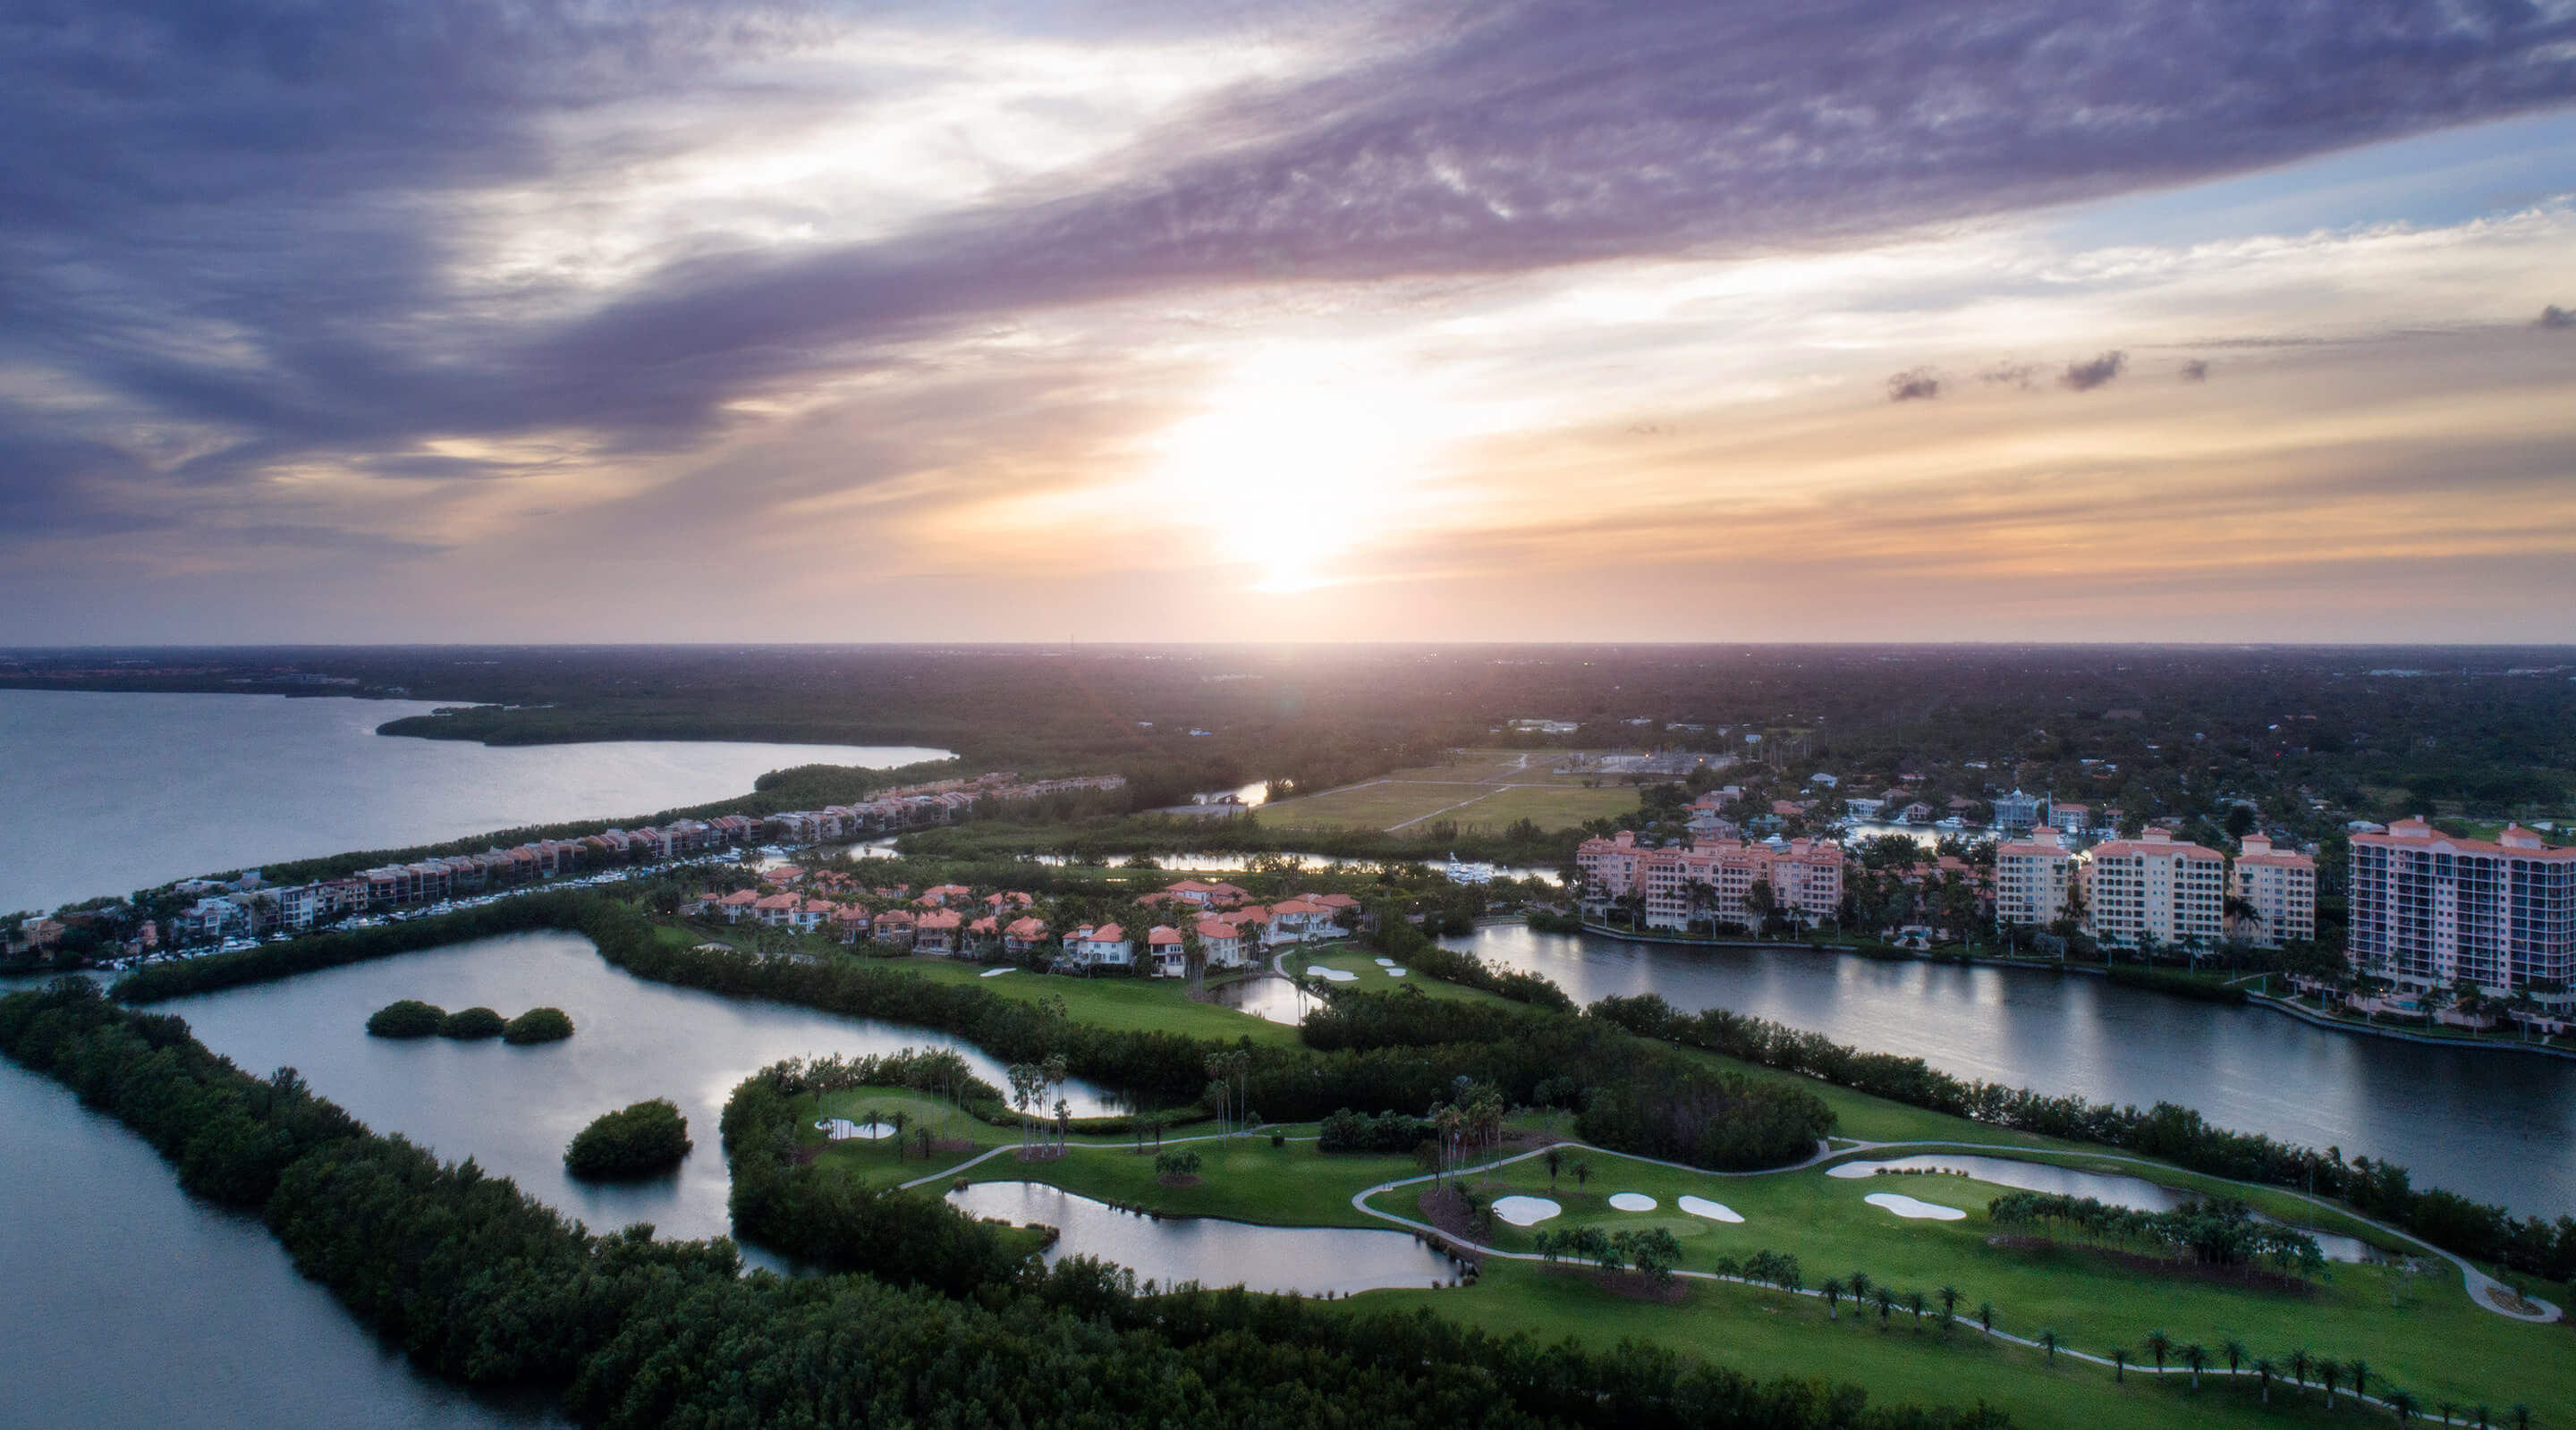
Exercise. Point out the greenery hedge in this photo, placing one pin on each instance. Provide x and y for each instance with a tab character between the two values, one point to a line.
476	1281
405	1018
637	1139
538	1025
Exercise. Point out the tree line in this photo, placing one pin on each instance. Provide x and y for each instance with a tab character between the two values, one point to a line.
478	1282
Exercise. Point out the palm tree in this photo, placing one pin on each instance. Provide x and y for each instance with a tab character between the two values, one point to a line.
1832	1291
1886	1302
1986	1316
2048	1342
2442	1411
2159	1345
1582	1173
1914	1303
2119	1364
1554	1159
2195	1357
2402	1404
2360	1378
1859	1285
2264	1370
2234	1350
896	1120
2481	1414
1949	1306
2298	1361
2521	1414
2329	1375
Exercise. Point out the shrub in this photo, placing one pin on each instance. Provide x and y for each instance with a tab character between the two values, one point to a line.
538	1025
405	1018
471	1023
644	1137
1173	1166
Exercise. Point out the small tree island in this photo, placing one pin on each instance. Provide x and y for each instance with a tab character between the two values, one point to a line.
471	1023
632	1141
538	1025
406	1018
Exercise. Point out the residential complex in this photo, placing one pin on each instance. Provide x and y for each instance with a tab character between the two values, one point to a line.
2153	890
2430	910
1711	880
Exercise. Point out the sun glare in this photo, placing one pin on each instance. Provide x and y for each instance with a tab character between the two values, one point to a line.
1297	460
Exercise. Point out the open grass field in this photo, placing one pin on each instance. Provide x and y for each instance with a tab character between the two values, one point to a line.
1395	803
1128	1004
1243	1178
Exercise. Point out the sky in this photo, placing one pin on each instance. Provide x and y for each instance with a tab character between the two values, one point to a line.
1848	320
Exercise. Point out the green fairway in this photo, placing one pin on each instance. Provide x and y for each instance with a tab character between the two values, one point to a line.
1374	979
2421	1329
1126	1004
1244	1178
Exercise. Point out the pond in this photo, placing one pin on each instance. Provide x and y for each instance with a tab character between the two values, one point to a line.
2112	1188
514	1108
1278	999
1309	1260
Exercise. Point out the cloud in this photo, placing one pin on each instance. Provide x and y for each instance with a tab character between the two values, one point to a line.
2195	370
2093	372
2010	374
2554	316
1913	384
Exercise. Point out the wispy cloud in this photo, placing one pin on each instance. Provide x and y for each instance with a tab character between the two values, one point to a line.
2093	372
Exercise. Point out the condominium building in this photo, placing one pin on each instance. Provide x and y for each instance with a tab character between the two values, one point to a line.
1713	879
2280	885
2152	888
2430	910
2032	877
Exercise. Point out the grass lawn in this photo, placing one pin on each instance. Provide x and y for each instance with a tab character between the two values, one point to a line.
879	1162
1559	808
1126	1004
1244	1178
2422	1331
1767	1334
1388	803
1373	979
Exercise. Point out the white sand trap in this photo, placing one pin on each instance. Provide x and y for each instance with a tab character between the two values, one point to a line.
1854	1169
1913	1210
1525	1211
1335	975
842	1129
1395	973
1386	963
1632	1201
1714	1211
995	972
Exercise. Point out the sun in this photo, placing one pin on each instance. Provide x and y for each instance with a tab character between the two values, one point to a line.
1297	459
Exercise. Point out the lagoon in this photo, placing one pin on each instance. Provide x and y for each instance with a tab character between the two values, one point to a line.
107	793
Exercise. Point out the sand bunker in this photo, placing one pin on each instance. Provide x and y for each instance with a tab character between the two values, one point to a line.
1525	1211
1395	973
842	1129
995	972
1335	975
1632	1201
1714	1211
1386	963
1913	1210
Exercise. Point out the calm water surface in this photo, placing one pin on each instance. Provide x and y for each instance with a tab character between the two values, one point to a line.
109	793
1211	1251
2497	1126
115	1280
513	1109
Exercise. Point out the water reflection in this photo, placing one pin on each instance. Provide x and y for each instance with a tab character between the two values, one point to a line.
1274	998
2495	1125
513	1109
1307	1259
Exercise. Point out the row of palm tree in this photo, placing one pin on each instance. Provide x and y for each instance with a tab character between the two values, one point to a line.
2301	1368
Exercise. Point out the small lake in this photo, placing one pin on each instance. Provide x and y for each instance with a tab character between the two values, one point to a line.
513	1109
1278	999
1310	1260
2136	1193
137	790
2495	1125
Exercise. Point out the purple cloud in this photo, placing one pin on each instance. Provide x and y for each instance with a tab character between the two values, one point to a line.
2093	372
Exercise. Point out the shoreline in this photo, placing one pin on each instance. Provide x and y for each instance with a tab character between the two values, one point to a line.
2252	999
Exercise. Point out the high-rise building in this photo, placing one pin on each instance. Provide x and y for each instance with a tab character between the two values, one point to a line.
2153	888
2031	879
2281	887
2429	910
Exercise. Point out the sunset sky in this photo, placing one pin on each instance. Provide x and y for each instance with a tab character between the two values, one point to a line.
365	321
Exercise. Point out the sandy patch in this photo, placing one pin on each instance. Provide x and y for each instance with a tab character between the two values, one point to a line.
1525	1211
1913	1210
1714	1211
1632	1201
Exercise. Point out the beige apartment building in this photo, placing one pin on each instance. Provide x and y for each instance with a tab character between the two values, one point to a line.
2152	887
2032	877
2281	887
